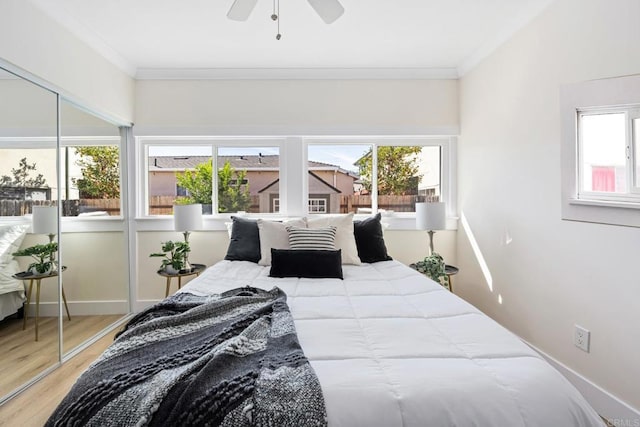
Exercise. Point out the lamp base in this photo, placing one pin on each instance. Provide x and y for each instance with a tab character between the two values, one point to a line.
431	233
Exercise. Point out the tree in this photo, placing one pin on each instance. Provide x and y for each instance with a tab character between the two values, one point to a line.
100	172
397	170
21	176
233	193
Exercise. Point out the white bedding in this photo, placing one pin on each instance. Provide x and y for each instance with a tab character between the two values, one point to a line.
393	348
12	294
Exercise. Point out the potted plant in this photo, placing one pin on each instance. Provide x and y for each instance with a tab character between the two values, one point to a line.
433	267
174	256
43	256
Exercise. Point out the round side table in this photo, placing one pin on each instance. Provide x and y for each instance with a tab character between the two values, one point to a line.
37	278
196	269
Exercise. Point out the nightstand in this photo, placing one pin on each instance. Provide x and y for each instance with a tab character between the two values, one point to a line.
450	271
37	278
196	269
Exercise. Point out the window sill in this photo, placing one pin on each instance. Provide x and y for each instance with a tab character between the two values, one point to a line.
605	203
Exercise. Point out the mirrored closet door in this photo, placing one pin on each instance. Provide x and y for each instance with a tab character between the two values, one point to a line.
95	245
56	154
28	178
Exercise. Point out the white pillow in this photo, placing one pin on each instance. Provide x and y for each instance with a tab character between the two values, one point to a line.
274	235
345	239
11	237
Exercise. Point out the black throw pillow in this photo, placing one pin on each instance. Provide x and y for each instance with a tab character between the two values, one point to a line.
244	244
369	240
314	264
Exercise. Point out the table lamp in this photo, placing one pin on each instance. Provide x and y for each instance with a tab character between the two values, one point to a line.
187	218
45	221
431	216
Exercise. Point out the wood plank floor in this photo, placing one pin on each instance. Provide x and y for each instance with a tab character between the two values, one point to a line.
23	357
33	407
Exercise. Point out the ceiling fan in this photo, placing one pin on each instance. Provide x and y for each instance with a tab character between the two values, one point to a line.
328	10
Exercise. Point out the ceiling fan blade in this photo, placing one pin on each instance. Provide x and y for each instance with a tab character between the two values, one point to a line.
329	10
241	9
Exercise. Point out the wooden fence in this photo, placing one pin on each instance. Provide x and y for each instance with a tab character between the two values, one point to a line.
163	205
389	203
69	207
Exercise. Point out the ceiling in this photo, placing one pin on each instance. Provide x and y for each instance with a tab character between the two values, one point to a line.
401	38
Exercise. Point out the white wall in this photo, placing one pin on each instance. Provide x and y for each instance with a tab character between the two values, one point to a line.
548	274
297	107
34	42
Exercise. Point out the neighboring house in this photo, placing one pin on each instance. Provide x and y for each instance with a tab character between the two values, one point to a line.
326	181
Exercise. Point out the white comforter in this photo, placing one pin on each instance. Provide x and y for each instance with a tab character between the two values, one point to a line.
393	348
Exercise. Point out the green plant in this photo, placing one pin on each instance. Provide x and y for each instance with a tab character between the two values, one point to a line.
43	254
233	192
433	267
174	254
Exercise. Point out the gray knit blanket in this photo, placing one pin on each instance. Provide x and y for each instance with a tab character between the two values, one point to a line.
224	360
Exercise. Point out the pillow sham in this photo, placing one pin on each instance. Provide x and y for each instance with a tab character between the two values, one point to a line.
345	239
244	244
306	263
370	240
11	237
312	238
274	235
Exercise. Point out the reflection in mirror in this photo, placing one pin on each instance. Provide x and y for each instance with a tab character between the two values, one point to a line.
95	281
28	177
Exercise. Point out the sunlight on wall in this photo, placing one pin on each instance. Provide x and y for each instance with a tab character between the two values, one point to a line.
476	250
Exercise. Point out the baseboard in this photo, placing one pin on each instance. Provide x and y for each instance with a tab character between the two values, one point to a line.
618	412
82	308
143	304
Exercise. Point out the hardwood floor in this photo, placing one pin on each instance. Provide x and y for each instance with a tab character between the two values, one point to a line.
33	406
23	357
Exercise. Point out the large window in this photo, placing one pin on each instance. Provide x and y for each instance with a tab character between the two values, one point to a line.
223	178
607	165
295	176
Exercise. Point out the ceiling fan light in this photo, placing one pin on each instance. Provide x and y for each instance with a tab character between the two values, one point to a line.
329	10
241	9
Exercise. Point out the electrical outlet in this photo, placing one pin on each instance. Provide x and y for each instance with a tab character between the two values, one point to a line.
581	338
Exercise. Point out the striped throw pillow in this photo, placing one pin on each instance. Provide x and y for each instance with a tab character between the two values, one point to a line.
312	238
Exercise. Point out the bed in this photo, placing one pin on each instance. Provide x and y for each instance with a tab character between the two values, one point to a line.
12	295
391	347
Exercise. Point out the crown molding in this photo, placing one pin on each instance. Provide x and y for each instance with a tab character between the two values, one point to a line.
296	74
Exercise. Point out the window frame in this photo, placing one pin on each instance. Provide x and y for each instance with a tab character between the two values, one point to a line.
293	197
214	142
447	145
593	95
632	195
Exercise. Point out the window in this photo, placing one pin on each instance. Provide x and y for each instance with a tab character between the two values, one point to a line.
267	175
317	205
607	170
246	176
343	175
600	151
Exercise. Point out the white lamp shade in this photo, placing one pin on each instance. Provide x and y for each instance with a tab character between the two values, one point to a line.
187	217
431	216
45	220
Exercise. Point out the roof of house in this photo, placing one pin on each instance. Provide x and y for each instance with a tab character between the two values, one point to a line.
313	175
245	162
